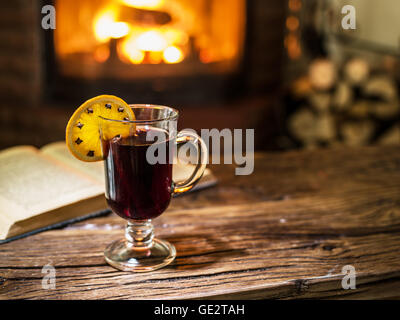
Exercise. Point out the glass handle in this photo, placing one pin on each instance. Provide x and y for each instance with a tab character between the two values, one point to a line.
187	136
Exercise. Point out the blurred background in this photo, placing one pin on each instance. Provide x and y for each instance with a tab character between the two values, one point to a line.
284	67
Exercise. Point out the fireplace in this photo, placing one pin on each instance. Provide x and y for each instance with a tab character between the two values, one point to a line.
169	49
136	39
206	57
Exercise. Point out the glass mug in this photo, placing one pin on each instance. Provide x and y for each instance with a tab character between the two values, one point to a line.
140	190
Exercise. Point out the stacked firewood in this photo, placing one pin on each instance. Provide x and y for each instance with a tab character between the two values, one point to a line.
351	105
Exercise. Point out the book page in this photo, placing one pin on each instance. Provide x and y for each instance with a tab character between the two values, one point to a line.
31	184
60	152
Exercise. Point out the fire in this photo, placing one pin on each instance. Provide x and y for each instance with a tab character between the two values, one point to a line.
152	40
143	4
176	36
118	33
149	47
101	54
138	44
173	55
128	52
119	30
106	26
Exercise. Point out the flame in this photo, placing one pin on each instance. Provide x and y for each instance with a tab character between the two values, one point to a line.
106	26
129	31
102	53
143	4
151	41
102	24
119	30
205	56
129	52
155	57
139	45
176	36
172	54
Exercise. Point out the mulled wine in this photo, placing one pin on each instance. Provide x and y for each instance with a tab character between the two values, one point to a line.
139	182
136	189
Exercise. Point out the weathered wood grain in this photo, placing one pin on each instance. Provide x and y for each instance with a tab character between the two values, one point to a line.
284	232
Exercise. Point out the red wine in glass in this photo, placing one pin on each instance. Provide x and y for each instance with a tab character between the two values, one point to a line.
136	189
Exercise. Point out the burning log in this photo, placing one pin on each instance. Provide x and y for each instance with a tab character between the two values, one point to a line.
144	16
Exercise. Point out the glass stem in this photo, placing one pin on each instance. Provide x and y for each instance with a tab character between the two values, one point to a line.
139	234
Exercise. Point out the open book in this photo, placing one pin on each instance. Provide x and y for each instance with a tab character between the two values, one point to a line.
43	187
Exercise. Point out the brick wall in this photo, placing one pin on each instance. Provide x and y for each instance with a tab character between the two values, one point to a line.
20	71
20	51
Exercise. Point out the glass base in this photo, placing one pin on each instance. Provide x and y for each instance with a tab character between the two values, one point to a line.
124	256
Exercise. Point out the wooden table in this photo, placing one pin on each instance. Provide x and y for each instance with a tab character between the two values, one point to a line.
284	232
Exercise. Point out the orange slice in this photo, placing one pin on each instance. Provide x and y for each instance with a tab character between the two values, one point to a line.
82	134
